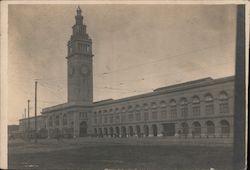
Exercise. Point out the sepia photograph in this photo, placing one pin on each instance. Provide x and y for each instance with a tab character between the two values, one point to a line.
124	86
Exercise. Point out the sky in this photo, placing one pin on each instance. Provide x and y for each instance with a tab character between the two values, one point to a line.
137	48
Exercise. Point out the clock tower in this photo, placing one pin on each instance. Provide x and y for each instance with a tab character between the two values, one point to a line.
79	60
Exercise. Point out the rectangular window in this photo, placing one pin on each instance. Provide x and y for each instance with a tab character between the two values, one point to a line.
138	116
173	113
57	122
50	123
131	117
196	110
224	108
154	115
123	117
163	114
209	109
146	115
184	112
111	119
100	119
105	119
117	118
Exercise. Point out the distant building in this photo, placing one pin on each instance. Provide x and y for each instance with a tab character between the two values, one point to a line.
13	128
199	109
13	131
26	124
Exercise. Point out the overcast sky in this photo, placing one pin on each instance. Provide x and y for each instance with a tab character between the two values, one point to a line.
137	48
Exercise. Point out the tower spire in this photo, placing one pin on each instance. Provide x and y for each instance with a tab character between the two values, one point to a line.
79	17
79	11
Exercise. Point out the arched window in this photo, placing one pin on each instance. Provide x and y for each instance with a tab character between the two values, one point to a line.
184	107
65	121
138	131
137	113
131	131
210	128
130	112
105	116
117	130
111	118
105	131
123	132
50	121
117	115
57	120
95	132
145	108
154	111
123	119
225	128
163	107
155	130
100	117
111	131
100	132
196	106
173	109
196	129
224	106
95	118
209	104
146	130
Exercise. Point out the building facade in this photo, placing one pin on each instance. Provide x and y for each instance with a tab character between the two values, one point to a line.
199	109
26	124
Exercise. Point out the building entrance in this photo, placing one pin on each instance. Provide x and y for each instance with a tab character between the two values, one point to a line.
83	129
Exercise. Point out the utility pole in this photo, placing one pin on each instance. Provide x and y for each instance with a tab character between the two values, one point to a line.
28	119
35	111
25	127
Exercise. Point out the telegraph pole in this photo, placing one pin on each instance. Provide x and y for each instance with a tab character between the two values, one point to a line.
35	111
25	127
28	119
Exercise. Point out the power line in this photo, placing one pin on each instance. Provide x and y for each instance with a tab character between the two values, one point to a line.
161	59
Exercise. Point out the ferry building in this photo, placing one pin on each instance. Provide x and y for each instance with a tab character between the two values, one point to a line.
200	109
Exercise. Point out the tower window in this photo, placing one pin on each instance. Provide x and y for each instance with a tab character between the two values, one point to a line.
80	47
88	48
70	50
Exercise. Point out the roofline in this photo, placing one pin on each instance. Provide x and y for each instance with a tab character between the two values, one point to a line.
170	89
162	90
38	116
64	106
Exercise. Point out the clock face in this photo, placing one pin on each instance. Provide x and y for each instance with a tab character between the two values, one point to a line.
71	71
84	70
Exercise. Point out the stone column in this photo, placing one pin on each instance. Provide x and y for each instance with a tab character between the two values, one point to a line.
60	122
160	130
217	128
203	129
150	129
76	124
